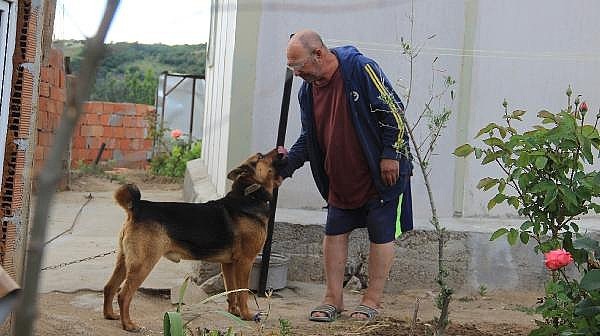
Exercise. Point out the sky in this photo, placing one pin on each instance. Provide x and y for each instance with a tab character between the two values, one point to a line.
145	21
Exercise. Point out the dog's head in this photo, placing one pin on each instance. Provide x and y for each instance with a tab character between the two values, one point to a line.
258	170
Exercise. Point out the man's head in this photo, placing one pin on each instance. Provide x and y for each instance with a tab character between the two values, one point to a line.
308	57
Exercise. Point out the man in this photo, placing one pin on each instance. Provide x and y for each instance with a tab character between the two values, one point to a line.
355	139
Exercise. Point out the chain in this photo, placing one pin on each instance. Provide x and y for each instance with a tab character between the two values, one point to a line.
80	260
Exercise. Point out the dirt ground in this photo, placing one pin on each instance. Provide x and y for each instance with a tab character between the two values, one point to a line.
487	313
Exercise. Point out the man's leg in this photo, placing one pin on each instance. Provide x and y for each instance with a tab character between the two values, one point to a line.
335	251
381	257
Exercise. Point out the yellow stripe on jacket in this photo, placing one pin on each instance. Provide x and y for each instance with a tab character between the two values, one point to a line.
388	98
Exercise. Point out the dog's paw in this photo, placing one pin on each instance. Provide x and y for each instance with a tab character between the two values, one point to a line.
112	316
132	328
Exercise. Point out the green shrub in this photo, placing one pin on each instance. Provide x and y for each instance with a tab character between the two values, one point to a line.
173	163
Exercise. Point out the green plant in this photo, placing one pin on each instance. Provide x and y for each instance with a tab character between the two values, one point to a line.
482	290
547	178
173	162
285	328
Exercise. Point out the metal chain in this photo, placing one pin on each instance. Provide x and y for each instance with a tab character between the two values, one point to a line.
61	265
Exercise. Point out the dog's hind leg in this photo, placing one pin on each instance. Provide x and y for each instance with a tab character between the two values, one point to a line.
137	271
242	276
112	286
230	284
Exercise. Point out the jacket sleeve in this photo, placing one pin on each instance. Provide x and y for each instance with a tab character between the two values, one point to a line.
386	104
296	156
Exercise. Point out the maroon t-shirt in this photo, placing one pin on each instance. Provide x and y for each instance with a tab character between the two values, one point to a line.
350	181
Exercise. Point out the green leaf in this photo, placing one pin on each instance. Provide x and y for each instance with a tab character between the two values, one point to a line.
486	129
517	113
463	150
494	142
526	225
540	162
550	197
591	280
498	233
524	237
491	157
546	114
486	183
478	153
512	237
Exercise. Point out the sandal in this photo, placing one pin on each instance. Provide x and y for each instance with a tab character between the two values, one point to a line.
331	312
370	313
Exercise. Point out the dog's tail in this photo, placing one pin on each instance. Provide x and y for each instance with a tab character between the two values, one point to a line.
127	195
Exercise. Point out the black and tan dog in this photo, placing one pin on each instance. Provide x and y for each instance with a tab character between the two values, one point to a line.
230	230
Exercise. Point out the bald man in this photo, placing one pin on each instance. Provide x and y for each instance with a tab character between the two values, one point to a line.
355	140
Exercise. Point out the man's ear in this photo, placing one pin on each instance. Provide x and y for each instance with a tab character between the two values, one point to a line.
237	172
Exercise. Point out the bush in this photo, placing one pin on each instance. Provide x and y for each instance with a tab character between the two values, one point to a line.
173	163
549	180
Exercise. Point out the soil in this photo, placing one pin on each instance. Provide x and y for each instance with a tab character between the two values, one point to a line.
486	313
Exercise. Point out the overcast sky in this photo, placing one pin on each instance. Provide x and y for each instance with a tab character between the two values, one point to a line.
145	21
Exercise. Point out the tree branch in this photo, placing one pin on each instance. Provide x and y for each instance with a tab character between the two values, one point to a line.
50	174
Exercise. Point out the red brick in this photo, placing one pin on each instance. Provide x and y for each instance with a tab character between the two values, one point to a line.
97	130
57	93
130	132
44	89
92	119
118	132
129	121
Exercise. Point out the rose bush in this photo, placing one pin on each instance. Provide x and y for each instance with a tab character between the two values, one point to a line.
548	178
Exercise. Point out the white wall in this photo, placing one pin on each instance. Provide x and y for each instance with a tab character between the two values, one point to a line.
526	51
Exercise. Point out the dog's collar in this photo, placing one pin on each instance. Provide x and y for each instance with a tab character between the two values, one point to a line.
251	188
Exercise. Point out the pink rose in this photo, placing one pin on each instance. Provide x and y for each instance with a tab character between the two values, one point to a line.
556	259
583	107
176	133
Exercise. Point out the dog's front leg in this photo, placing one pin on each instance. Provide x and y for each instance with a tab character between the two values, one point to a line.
230	284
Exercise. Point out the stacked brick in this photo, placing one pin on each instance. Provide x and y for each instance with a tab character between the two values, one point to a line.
52	96
122	127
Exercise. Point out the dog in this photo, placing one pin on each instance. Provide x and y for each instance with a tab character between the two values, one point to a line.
231	230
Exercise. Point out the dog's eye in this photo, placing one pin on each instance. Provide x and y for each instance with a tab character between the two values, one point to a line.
259	156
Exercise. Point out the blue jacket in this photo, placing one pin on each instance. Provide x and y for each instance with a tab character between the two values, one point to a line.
379	126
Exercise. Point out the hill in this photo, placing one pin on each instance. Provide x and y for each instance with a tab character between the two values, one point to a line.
129	72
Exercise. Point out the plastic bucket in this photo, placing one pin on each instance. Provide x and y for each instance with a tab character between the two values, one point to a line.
278	269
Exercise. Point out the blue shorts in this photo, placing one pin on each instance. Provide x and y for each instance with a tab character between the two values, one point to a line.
385	221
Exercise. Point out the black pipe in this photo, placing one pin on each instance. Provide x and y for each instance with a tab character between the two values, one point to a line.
283	118
99	154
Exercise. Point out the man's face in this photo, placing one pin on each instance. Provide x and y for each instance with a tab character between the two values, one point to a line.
303	63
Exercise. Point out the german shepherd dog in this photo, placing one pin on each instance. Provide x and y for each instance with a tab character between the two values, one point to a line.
230	230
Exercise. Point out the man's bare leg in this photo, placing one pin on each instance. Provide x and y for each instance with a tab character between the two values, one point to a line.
335	252
381	257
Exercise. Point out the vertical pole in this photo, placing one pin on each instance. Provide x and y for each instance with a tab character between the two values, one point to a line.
283	118
192	111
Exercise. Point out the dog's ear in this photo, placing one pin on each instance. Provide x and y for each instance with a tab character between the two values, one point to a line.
238	172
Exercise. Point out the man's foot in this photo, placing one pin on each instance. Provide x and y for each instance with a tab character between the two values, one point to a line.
363	312
324	313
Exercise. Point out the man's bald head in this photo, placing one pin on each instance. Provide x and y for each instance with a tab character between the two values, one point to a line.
307	39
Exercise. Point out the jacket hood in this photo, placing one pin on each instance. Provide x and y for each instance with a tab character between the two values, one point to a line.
347	55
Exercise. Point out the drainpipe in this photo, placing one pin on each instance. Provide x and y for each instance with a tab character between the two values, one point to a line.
464	102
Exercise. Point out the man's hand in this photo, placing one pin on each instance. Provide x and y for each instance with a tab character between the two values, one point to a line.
390	169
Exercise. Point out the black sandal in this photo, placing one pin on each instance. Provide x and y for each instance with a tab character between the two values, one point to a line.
370	313
331	312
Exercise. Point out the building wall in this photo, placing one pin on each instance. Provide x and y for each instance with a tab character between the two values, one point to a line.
230	73
121	126
494	49
51	105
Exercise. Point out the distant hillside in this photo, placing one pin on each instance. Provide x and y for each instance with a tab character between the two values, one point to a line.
129	73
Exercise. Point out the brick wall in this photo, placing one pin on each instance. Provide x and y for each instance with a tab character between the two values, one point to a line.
121	126
51	105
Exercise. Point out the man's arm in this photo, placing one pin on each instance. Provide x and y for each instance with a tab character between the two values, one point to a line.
296	157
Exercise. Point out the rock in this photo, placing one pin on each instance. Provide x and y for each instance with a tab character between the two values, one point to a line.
354	284
213	285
